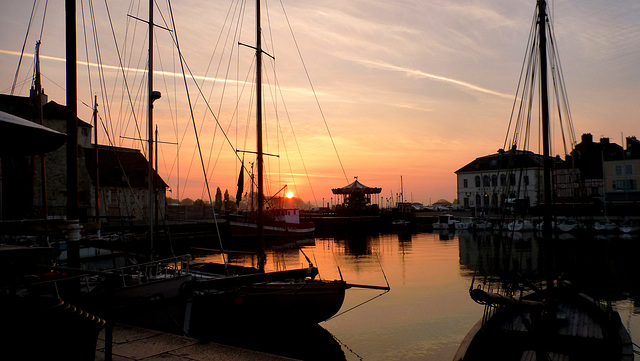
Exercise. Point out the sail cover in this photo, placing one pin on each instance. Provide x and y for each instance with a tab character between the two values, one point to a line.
22	137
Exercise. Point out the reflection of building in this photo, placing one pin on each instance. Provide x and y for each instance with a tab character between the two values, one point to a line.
356	199
28	192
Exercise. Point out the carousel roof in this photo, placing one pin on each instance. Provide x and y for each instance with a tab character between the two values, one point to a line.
356	187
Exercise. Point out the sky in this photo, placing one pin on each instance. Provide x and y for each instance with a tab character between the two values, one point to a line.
399	94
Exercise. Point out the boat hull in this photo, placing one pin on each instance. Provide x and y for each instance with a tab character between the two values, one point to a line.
580	329
283	303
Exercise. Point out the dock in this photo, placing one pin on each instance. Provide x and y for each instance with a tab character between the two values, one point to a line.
133	343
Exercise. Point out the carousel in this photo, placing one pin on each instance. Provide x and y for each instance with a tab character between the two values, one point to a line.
356	199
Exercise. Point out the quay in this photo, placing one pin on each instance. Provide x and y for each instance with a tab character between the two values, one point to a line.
133	343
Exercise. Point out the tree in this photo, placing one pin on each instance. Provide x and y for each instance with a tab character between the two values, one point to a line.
217	205
199	203
187	202
229	204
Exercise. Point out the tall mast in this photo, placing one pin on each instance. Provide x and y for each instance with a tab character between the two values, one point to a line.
261	255
544	100
72	111
95	146
150	129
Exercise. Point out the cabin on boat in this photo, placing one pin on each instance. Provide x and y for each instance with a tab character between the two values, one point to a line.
123	179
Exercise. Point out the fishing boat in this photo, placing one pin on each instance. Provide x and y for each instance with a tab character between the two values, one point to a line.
548	319
279	222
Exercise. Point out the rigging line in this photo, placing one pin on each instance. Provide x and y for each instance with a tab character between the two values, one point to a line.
314	93
124	77
26	36
101	77
196	134
86	49
358	305
44	15
515	99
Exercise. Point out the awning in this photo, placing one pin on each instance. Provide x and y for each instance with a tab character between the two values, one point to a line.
22	137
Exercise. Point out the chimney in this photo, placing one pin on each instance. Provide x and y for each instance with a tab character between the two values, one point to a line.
587	138
604	141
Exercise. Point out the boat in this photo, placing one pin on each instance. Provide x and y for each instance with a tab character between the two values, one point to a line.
548	319
445	221
557	323
568	225
288	297
483	224
520	225
280	222
465	223
605	226
627	227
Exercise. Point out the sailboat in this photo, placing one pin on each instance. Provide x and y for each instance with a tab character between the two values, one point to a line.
286	297
549	320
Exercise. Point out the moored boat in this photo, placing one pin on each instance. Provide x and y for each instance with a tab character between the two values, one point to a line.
555	323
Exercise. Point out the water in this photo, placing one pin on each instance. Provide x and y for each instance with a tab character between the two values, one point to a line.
428	311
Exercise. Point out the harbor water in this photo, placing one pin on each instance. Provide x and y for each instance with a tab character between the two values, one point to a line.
428	311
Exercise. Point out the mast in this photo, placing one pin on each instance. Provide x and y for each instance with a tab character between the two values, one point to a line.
95	146
150	129
544	100
260	165
72	111
37	98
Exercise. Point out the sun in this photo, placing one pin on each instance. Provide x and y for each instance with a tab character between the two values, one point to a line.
289	194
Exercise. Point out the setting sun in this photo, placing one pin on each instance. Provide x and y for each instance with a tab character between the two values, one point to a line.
289	194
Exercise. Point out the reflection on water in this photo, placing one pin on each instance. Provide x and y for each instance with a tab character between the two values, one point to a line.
428	310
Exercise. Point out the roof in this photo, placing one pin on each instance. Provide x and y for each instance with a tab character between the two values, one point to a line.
23	137
511	159
117	162
356	187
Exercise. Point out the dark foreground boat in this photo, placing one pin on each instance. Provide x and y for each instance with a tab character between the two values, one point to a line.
287	297
552	321
556	323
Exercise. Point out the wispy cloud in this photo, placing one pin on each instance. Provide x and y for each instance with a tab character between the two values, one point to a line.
422	74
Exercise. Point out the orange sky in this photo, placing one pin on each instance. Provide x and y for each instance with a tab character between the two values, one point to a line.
411	89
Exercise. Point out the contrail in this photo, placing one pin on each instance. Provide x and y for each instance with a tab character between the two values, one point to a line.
113	67
433	76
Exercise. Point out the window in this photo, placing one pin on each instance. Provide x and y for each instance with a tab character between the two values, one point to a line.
503	179
494	180
465	183
625	185
618	169
526	180
512	179
477	181
485	181
628	169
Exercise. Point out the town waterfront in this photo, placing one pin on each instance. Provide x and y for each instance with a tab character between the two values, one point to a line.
428	311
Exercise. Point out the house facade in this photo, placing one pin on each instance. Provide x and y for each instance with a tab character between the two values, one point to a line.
510	178
595	176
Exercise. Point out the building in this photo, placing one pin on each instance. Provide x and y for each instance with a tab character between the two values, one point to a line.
595	176
35	187
511	178
621	178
